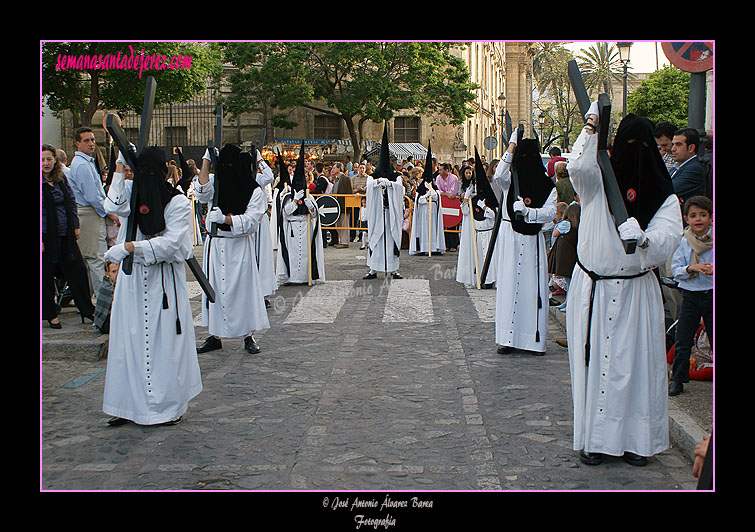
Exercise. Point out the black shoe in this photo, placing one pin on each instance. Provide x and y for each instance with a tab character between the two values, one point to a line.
590	458
55	325
634	459
487	286
675	388
211	344
397	275
267	303
504	349
250	345
117	421
170	423
372	275
553	303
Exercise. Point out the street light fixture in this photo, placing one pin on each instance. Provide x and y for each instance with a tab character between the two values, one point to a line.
624	49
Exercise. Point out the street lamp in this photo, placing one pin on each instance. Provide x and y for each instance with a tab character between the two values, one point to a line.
541	119
624	49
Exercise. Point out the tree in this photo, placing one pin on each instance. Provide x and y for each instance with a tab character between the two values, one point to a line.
663	96
83	77
556	100
355	81
600	66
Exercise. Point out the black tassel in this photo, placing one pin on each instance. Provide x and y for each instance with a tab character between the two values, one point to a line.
587	354
165	300
537	336
178	326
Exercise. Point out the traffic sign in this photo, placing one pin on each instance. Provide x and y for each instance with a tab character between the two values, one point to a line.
689	56
490	143
329	209
451	210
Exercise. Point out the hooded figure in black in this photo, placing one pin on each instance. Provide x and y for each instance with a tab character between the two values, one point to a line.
300	249
640	172
230	259
534	184
152	191
521	275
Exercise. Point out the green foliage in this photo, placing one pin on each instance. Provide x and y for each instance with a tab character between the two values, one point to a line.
84	90
370	80
663	96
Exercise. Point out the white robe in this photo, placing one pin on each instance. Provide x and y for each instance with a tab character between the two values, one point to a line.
522	274
263	243
152	372
231	266
482	230
295	234
422	225
381	256
621	399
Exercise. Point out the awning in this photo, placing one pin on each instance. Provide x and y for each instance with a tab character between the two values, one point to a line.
401	150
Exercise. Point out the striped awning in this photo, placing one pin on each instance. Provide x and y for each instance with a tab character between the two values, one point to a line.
400	150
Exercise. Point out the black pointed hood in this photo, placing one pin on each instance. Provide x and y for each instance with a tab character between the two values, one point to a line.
299	181
384	166
483	189
640	172
152	191
534	184
283	177
427	174
235	179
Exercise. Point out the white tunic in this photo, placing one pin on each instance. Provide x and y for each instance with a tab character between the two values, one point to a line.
423	225
152	372
522	275
621	399
230	262
263	243
295	234
482	229
381	256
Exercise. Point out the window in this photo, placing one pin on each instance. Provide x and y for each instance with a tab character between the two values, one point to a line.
176	136
327	127
406	129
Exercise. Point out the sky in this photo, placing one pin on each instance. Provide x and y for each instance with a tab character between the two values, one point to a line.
641	55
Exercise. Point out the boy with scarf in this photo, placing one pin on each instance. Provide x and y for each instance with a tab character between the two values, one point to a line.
692	267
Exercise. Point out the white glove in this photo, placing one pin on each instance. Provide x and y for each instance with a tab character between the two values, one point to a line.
121	159
207	154
468	194
520	207
299	195
513	136
631	230
383	182
481	204
593	110
216	216
116	254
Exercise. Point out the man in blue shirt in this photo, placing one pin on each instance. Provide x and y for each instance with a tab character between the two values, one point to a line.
86	184
689	178
692	268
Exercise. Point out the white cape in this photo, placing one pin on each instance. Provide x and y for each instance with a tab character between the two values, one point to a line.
381	256
427	230
621	398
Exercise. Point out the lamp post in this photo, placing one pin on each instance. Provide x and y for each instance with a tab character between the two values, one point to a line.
624	48
541	119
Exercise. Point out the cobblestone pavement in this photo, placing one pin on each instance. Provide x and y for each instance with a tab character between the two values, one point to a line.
357	387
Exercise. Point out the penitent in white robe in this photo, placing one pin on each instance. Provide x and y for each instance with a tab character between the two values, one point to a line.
295	234
263	243
481	230
230	263
621	398
152	371
382	222
522	275
424	227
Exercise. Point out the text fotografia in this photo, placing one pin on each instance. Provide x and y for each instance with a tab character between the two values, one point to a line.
123	61
387	503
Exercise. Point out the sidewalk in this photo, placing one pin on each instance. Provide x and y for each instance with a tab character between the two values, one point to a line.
690	413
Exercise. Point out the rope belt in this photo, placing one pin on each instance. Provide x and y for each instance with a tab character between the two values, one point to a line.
597	277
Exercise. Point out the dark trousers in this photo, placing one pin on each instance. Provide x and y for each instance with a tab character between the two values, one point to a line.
695	305
73	269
